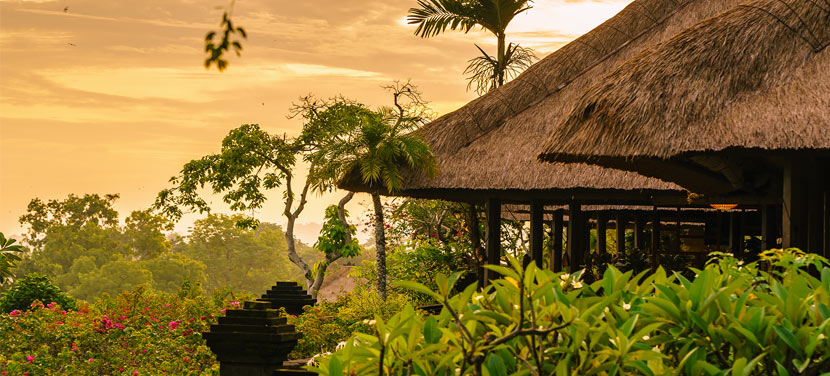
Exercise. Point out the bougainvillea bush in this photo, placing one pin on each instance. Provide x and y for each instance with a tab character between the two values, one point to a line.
766	318
136	333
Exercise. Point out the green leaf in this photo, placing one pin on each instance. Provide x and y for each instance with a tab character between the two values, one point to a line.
335	367
496	365
787	336
431	332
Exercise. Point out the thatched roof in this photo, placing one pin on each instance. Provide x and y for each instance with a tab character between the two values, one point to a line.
491	143
754	78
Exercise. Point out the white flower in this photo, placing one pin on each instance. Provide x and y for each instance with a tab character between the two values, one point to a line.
311	362
478	298
646	337
564	277
740	262
515	306
576	284
563	283
626	306
369	322
340	346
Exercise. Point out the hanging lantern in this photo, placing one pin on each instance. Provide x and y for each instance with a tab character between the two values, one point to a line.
724	206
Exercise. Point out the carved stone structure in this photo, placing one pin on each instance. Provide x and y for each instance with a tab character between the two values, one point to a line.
253	341
289	295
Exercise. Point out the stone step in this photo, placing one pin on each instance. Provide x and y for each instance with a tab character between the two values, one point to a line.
293	372
298	299
259	304
286	293
253	321
259	339
259	313
225	328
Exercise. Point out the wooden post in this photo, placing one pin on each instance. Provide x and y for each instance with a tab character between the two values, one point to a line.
556	240
677	231
639	232
493	237
770	226
736	236
794	211
576	250
602	228
475	241
815	214
620	233
537	219
655	238
826	224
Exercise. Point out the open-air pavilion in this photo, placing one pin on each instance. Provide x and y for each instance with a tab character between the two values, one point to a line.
736	107
486	150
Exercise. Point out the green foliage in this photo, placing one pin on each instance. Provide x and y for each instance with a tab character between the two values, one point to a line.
73	212
328	323
245	259
8	257
215	50
770	318
33	288
418	262
336	237
487	72
135	333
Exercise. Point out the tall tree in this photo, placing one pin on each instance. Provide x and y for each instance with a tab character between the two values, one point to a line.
379	149
433	17
253	161
8	257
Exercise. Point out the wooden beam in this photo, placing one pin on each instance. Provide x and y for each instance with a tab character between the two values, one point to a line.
493	237
576	250
556	241
770	226
536	231
794	212
621	222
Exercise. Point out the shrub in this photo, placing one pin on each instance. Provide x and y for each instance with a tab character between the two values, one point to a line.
140	331
330	322
34	287
766	318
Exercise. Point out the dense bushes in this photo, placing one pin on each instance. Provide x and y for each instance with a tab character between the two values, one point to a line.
330	322
771	318
138	332
34	287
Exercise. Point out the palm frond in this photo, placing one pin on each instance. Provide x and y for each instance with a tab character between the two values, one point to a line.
435	16
484	69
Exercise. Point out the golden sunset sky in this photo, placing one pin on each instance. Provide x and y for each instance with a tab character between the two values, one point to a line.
110	96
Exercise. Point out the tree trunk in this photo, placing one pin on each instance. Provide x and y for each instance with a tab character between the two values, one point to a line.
292	253
380	245
501	61
331	258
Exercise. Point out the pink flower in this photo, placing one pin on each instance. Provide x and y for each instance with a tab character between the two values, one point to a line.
173	324
59	322
167	304
135	372
120	369
90	360
235	304
15	313
30	358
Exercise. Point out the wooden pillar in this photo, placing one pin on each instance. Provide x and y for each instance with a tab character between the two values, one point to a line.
639	232
576	248
815	213
620	233
770	226
677	231
655	238
794	211
537	219
826	223
475	241
493	237
736	234
556	240
602	228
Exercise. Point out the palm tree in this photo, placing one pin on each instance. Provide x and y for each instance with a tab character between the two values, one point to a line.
8	257
436	16
379	149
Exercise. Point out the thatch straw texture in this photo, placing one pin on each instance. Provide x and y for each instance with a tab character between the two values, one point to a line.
492	142
755	77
